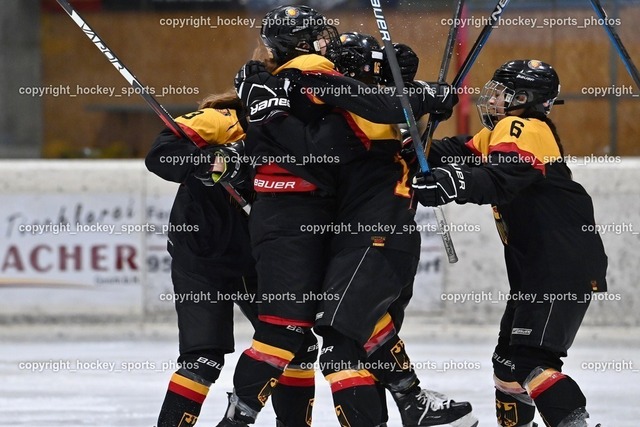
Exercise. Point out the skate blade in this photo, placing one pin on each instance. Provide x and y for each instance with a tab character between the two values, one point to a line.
467	421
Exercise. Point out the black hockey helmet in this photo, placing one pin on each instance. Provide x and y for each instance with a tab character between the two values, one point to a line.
526	84
290	31
359	57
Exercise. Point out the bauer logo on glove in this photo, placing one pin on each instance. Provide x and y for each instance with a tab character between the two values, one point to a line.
266	96
267	108
443	185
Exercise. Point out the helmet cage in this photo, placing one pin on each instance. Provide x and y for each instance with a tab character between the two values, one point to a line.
494	99
497	99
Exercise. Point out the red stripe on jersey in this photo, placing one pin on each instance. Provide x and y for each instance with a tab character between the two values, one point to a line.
186	392
352	382
272	360
474	150
195	137
544	385
512	147
275	320
362	136
296	382
380	338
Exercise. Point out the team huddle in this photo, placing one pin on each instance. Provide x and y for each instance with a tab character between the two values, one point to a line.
291	102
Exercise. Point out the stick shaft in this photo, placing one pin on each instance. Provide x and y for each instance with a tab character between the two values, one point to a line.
141	89
411	122
617	43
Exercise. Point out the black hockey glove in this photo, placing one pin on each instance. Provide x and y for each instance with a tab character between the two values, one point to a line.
407	60
265	96
443	94
444	185
249	69
225	164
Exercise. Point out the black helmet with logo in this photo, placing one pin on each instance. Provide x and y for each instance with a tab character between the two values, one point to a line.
526	84
359	57
290	31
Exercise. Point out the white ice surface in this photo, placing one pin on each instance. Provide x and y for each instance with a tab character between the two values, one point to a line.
76	395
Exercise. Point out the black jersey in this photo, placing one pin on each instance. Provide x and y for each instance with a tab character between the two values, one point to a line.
208	232
544	217
317	90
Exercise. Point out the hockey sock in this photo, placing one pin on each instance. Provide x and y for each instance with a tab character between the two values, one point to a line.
382	396
183	401
355	397
556	395
514	410
293	398
387	358
257	373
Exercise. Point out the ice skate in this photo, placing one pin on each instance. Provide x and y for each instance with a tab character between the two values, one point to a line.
577	418
429	408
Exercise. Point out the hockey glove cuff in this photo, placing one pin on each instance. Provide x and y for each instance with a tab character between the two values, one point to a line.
249	69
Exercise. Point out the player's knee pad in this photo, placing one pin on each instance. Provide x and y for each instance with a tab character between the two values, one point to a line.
514	407
307	354
285	337
204	366
339	353
525	359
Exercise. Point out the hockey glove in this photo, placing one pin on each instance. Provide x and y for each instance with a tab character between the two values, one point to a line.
266	97
444	185
407	60
225	165
249	69
443	94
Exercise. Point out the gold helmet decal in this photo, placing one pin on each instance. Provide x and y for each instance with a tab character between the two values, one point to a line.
292	12
534	64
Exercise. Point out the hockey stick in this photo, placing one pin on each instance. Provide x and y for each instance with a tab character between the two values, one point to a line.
141	89
617	43
469	61
479	44
427	136
411	121
442	74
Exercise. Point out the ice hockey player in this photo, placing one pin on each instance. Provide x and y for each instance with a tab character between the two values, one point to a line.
516	165
214	259
372	271
297	37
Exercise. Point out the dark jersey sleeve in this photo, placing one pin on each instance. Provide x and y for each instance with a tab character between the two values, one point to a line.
500	179
167	146
376	104
452	150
